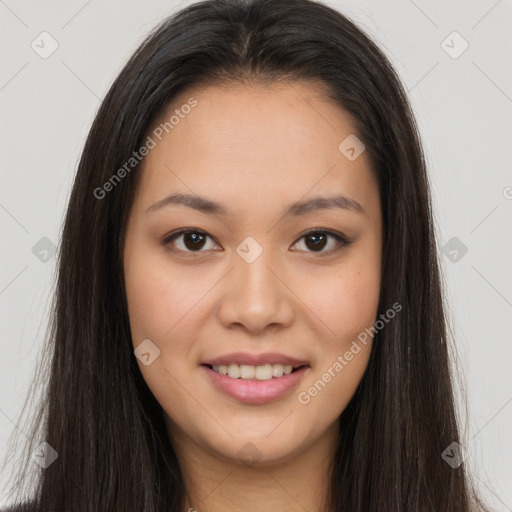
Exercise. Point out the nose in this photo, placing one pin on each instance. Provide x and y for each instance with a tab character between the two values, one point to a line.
256	296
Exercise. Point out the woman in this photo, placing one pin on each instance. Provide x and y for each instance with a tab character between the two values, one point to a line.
249	309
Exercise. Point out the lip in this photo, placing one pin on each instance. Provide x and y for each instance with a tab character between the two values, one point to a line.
253	391
255	359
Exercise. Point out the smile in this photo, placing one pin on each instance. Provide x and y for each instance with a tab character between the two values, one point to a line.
259	385
261	372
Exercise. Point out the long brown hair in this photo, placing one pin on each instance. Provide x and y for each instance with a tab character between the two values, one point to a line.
96	410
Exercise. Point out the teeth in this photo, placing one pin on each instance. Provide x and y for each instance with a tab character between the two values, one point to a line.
277	370
247	372
263	372
234	371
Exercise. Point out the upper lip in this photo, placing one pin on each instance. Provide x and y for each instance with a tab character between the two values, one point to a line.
255	359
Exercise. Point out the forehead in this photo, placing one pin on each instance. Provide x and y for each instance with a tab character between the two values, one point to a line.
241	143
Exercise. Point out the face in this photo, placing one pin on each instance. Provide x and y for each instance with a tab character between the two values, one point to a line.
252	285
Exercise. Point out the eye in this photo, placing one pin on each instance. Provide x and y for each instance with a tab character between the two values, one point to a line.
193	240
316	240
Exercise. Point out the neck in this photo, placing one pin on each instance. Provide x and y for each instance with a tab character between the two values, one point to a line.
214	483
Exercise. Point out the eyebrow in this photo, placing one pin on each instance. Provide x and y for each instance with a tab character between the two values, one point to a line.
298	208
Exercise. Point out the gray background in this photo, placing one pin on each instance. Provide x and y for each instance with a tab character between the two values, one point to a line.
463	107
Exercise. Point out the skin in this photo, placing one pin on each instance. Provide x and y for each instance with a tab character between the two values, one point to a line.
254	149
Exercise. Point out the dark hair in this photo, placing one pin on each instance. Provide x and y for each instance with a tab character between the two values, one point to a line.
97	411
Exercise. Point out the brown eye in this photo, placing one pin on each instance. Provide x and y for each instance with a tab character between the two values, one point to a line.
192	240
317	240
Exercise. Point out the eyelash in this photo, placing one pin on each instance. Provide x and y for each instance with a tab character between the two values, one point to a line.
342	240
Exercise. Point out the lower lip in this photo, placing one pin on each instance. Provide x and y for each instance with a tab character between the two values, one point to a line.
256	391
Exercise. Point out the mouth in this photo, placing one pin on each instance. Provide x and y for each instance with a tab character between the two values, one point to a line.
266	371
255	384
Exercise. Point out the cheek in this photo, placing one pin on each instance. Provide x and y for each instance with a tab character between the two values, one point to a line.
348	306
161	306
332	389
345	300
159	295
